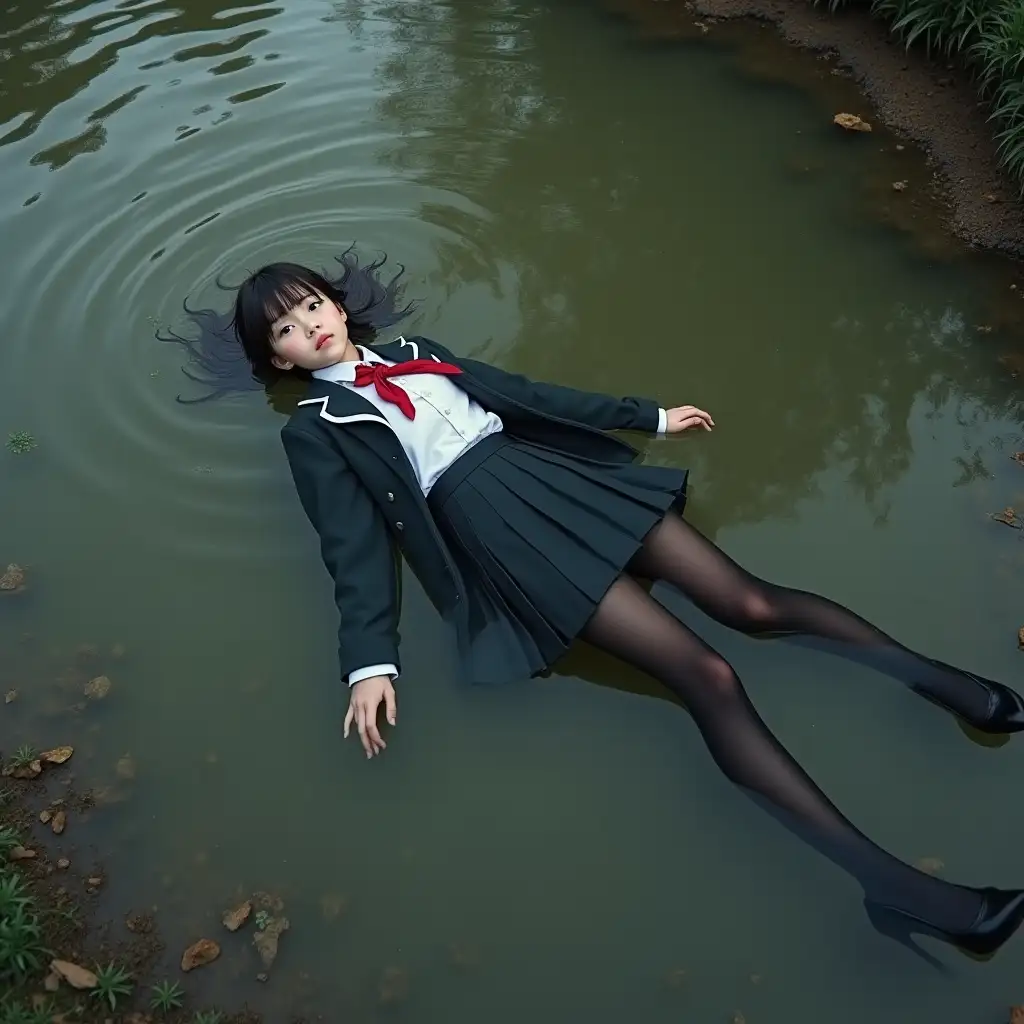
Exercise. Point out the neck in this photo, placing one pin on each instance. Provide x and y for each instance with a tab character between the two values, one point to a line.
351	353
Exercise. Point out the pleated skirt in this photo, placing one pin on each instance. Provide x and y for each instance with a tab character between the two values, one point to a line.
539	536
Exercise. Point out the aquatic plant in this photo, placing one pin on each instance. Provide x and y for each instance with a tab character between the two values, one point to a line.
989	36
20	441
167	995
13	893
208	1017
9	839
14	1011
261	919
21	947
7	795
23	756
112	982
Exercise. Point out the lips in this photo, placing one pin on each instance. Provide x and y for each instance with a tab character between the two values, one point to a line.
322	340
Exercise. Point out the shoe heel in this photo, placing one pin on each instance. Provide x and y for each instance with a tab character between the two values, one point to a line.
899	927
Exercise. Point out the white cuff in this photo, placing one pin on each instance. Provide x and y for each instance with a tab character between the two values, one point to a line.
372	670
662	421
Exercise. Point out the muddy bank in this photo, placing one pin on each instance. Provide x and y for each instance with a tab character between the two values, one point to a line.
930	102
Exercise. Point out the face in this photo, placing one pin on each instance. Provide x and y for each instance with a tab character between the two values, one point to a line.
311	335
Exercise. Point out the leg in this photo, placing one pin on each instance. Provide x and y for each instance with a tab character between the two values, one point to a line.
678	554
630	624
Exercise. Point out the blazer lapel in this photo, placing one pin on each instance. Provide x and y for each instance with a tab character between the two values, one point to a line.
339	404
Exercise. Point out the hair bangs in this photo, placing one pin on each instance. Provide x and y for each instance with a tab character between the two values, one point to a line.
270	293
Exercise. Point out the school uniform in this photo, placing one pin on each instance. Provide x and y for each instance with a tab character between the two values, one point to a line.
511	503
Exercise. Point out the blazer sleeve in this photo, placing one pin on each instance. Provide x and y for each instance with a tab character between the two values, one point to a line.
356	547
591	408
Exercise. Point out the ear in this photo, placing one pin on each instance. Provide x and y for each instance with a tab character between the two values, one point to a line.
281	364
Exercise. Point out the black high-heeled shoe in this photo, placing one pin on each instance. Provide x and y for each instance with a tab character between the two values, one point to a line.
1005	711
1000	915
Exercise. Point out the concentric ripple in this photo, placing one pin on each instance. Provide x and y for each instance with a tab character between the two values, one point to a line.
197	178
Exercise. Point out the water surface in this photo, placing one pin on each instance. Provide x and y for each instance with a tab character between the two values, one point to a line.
579	201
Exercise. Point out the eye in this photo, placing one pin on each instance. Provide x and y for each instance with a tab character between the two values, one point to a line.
314	303
284	330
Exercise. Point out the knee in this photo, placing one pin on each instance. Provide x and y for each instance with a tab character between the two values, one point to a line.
717	678
753	610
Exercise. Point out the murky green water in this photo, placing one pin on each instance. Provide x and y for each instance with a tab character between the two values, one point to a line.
589	206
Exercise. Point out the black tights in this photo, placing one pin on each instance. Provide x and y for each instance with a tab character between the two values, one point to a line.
631	625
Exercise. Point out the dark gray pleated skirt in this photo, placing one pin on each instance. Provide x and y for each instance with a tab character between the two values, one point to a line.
539	536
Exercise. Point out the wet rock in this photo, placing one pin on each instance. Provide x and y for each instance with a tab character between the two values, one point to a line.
10	696
98	688
56	756
51	982
77	977
63	863
234	919
899	186
45	816
21	853
93	884
199	954
1017	457
12	581
59	822
266	939
851	122
393	986
32	770
126	767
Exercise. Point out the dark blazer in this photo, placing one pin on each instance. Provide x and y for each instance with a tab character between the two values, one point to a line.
360	493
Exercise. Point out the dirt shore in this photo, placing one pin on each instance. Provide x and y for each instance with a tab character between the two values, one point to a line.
929	102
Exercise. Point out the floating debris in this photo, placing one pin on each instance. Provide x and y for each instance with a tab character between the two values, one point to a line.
199	954
266	939
899	186
98	688
1008	517
19	442
234	919
393	986
12	581
77	977
45	816
10	696
1017	457
851	122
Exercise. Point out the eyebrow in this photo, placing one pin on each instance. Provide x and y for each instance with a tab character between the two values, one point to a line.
298	302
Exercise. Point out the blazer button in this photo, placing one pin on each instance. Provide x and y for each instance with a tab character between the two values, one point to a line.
391	497
399	526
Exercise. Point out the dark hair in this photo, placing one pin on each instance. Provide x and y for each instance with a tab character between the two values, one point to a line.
232	352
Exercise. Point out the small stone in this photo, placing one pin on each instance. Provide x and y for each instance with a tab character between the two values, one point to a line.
10	696
45	816
900	148
1008	517
13	579
98	688
32	770
93	882
63	863
899	186
929	865
21	853
234	919
59	822
77	977
851	122
263	976
199	954
51	982
266	939
140	924
56	756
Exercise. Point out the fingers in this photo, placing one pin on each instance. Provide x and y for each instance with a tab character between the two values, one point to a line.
348	719
391	705
364	713
686	417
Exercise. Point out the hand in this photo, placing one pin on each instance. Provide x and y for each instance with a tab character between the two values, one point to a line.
364	699
685	417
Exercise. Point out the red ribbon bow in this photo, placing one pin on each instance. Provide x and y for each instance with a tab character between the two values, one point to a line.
378	374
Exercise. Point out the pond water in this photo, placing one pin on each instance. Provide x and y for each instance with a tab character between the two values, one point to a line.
575	196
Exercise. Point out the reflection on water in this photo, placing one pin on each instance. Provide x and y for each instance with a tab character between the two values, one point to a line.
584	205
